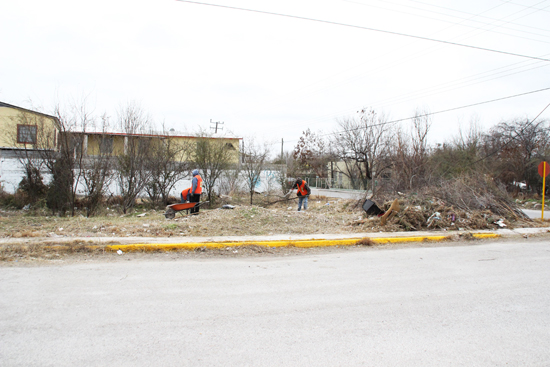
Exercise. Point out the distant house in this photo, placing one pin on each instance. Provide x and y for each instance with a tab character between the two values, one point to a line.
32	132
115	144
26	129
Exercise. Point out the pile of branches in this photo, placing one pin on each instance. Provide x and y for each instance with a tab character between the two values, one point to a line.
474	202
477	193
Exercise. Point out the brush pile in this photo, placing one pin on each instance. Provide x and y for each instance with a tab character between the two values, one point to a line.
465	203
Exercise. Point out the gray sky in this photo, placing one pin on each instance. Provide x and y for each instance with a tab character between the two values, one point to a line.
272	76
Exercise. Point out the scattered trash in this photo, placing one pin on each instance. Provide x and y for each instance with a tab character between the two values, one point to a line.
371	208
394	208
60	229
27	207
141	215
434	217
146	224
500	223
227	206
119	252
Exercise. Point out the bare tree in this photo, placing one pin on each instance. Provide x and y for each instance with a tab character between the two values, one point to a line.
363	146
230	180
53	144
254	159
67	163
131	167
168	162
515	148
312	153
213	156
461	155
411	154
97	172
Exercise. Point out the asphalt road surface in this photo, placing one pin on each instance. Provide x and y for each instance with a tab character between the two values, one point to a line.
472	304
536	214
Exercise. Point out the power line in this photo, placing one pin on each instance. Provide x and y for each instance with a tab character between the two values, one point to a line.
461	23
442	111
451	109
483	16
434	89
509	141
367	28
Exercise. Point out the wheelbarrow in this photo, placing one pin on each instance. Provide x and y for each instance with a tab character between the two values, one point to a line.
171	210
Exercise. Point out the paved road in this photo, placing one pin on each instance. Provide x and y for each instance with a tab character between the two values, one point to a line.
462	305
536	214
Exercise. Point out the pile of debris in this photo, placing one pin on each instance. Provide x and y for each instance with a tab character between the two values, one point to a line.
466	203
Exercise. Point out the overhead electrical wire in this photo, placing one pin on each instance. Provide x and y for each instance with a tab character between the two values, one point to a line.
462	23
403	35
433	90
483	16
509	141
367	28
371	71
454	85
442	111
528	6
433	113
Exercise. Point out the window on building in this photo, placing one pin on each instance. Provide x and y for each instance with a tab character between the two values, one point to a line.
144	144
106	145
26	134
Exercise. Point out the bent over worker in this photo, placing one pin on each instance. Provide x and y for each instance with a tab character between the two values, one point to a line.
196	190
186	195
303	192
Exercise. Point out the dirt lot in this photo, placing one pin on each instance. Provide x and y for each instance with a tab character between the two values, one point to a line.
324	216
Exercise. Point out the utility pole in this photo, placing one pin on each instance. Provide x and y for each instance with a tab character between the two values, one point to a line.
282	143
216	128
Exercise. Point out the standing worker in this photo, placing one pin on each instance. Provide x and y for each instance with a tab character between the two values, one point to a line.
196	190
303	192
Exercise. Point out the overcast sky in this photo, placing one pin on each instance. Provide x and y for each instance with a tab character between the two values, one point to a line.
273	76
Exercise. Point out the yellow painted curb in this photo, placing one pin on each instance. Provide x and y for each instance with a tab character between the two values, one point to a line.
295	243
485	235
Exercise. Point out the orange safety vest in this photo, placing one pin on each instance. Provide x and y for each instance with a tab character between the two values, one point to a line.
198	190
302	188
185	192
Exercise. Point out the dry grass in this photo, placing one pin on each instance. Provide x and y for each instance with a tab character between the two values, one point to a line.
324	216
48	251
364	242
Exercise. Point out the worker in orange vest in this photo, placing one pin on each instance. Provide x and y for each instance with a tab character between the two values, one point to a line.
303	192
196	190
186	195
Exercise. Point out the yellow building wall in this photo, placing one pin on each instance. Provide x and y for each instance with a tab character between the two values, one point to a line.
94	141
186	142
11	117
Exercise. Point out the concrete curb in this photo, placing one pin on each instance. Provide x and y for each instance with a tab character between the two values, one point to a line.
294	243
158	244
